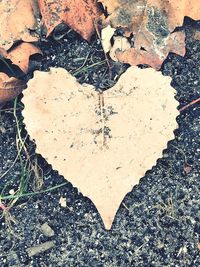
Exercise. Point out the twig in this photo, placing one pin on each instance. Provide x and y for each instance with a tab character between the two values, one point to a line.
89	67
85	60
98	34
190	104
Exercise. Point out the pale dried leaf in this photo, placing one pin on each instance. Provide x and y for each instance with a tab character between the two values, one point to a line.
17	18
152	23
120	44
106	35
101	142
153	56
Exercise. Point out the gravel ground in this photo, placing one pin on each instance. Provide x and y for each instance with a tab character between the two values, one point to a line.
158	223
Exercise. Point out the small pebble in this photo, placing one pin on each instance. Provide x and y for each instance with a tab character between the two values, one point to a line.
47	230
32	251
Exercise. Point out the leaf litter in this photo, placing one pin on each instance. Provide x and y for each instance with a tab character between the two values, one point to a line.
147	27
150	26
102	142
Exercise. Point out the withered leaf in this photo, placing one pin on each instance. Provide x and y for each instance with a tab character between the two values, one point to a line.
152	24
80	15
18	18
10	87
101	142
20	55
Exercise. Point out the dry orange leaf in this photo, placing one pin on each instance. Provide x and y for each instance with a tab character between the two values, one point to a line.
20	55
10	87
152	23
18	18
78	14
101	142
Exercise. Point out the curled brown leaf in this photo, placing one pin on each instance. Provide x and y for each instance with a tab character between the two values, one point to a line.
10	87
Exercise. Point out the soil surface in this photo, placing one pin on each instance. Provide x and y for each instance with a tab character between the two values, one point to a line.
158	223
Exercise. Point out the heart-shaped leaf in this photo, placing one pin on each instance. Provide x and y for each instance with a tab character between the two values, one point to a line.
101	142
